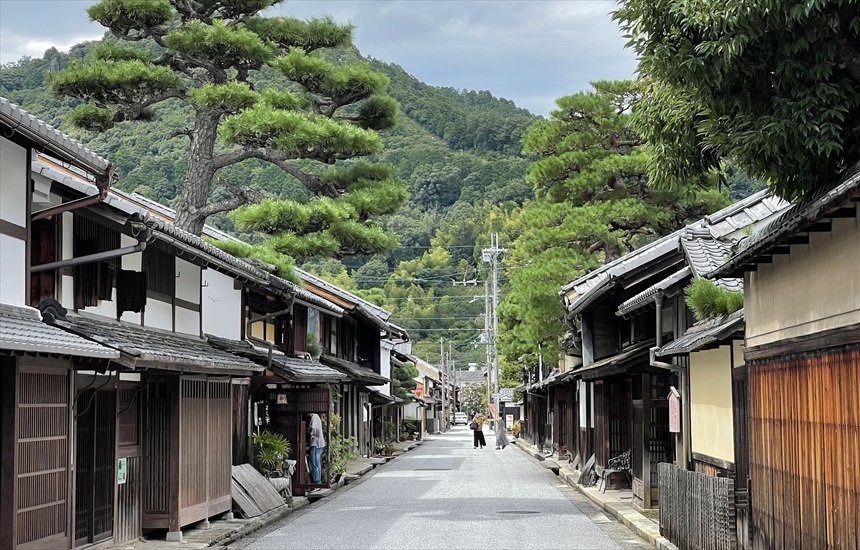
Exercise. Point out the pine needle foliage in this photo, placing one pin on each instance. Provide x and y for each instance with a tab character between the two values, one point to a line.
594	203
213	56
707	300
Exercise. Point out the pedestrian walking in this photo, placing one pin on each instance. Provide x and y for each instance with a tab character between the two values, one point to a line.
316	445
477	426
501	435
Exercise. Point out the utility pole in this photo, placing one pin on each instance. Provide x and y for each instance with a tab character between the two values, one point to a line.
442	374
491	256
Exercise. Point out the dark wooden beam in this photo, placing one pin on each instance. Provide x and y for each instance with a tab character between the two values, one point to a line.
842	336
8	444
845	212
800	238
764	259
819	226
782	249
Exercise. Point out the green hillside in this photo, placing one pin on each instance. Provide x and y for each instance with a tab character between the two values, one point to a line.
459	152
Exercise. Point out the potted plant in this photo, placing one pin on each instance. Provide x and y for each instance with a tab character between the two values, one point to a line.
388	449
378	446
271	451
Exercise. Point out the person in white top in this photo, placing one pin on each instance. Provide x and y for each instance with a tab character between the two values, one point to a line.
316	444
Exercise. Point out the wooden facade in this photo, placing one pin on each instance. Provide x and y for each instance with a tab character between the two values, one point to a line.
187	423
804	421
42	482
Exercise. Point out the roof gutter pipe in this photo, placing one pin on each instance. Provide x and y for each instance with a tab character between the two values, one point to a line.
60	150
143	236
269	345
103	182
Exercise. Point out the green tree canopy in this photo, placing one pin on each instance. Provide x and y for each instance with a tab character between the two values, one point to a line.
403	381
773	85
210	55
594	204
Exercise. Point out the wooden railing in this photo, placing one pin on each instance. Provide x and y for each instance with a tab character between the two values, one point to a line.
697	511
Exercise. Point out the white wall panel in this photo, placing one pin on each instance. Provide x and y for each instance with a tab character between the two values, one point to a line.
188	281
187	321
106	308
13	270
13	182
158	314
222	306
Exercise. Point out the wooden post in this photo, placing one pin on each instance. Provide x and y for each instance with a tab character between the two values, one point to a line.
8	469
646	441
174	389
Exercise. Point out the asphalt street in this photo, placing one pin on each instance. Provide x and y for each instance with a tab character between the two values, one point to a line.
446	494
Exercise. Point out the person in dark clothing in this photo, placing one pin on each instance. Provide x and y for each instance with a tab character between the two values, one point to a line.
477	426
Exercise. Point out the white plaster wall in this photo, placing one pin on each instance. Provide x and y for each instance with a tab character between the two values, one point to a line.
222	306
13	270
13	209
187	281
106	308
711	424
384	369
158	314
738	354
13	182
814	288
581	390
131	262
187	321
67	283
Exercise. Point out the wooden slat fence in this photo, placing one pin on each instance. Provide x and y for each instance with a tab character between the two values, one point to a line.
804	418
697	511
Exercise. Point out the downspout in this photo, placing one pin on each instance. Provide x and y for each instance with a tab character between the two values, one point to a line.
143	235
681	450
103	183
266	343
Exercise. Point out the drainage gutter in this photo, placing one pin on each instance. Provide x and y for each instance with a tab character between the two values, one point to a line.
143	236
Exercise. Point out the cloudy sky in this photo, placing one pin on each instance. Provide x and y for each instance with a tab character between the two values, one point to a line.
531	52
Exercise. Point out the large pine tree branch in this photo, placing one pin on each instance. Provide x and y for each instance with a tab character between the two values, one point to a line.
241	196
280	159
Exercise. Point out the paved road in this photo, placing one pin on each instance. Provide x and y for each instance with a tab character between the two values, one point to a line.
445	494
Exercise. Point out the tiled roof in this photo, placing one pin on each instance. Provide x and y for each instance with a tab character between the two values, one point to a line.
706	249
354	372
791	221
157	348
618	363
704	333
374	309
647	296
22	329
168	214
469	377
291	368
51	138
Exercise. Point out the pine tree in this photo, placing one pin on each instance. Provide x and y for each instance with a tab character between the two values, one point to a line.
594	204
212	55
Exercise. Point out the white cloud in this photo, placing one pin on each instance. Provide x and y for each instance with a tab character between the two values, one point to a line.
13	46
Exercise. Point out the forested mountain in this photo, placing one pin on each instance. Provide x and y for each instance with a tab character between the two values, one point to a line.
458	151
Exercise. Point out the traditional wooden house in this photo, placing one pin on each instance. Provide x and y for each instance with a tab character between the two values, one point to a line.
621	311
281	324
426	409
37	361
802	357
149	438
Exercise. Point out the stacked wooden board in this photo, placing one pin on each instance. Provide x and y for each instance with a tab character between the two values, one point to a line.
252	492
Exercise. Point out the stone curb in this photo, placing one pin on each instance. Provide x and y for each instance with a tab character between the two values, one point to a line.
298	503
260	521
636	522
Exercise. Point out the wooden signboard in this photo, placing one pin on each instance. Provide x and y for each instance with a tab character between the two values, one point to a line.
674	410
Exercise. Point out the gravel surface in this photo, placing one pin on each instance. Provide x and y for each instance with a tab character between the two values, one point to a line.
445	494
